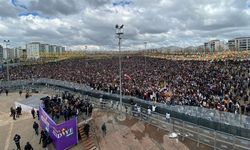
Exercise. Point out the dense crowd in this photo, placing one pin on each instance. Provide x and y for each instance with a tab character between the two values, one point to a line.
222	85
68	105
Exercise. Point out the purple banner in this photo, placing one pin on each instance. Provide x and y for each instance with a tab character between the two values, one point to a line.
64	135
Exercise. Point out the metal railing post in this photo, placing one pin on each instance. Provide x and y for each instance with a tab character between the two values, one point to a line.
182	138
215	139
198	139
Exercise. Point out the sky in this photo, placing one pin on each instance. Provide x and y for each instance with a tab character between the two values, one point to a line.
90	24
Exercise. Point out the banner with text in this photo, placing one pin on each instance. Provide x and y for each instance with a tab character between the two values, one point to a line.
64	135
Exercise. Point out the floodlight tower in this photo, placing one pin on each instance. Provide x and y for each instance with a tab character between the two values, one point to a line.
119	33
7	59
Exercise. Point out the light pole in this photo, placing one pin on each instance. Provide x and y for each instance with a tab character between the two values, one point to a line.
145	44
119	33
7	59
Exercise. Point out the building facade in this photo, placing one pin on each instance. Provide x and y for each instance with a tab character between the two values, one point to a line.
1	53
214	46
33	50
23	54
36	49
239	44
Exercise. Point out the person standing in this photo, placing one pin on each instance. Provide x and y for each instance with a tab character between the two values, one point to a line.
37	114
153	108
33	113
44	139
168	117
35	127
17	141
20	92
86	129
14	114
149	111
17	112
6	92
11	111
28	146
42	136
104	129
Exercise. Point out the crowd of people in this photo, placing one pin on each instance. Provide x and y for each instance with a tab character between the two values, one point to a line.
67	106
222	85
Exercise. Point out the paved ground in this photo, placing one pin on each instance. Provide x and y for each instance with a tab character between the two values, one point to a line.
130	134
21	126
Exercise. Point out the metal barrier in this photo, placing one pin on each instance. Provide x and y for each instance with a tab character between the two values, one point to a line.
199	134
202	125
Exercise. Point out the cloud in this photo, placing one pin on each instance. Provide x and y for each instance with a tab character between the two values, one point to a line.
17	4
54	8
161	23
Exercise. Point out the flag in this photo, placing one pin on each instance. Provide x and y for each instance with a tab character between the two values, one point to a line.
127	77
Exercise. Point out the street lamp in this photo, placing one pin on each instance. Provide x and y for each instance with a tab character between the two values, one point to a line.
119	33
6	44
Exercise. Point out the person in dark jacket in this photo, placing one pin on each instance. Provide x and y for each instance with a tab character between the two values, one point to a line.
42	136
86	130
104	129
33	113
28	146
20	92
37	114
17	141
35	127
45	139
14	114
6	92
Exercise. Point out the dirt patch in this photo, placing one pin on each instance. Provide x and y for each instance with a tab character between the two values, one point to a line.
110	121
155	133
193	145
138	135
129	122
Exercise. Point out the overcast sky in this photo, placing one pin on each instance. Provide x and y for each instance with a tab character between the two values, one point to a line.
77	23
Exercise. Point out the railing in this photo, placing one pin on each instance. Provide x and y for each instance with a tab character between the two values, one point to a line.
234	124
199	134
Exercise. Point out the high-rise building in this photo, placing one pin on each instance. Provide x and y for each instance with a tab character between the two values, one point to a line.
42	48
46	48
36	49
214	46
17	51
58	49
33	50
9	53
240	43
23	54
53	48
1	53
63	49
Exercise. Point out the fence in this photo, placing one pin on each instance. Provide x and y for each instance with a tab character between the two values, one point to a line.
199	134
200	124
